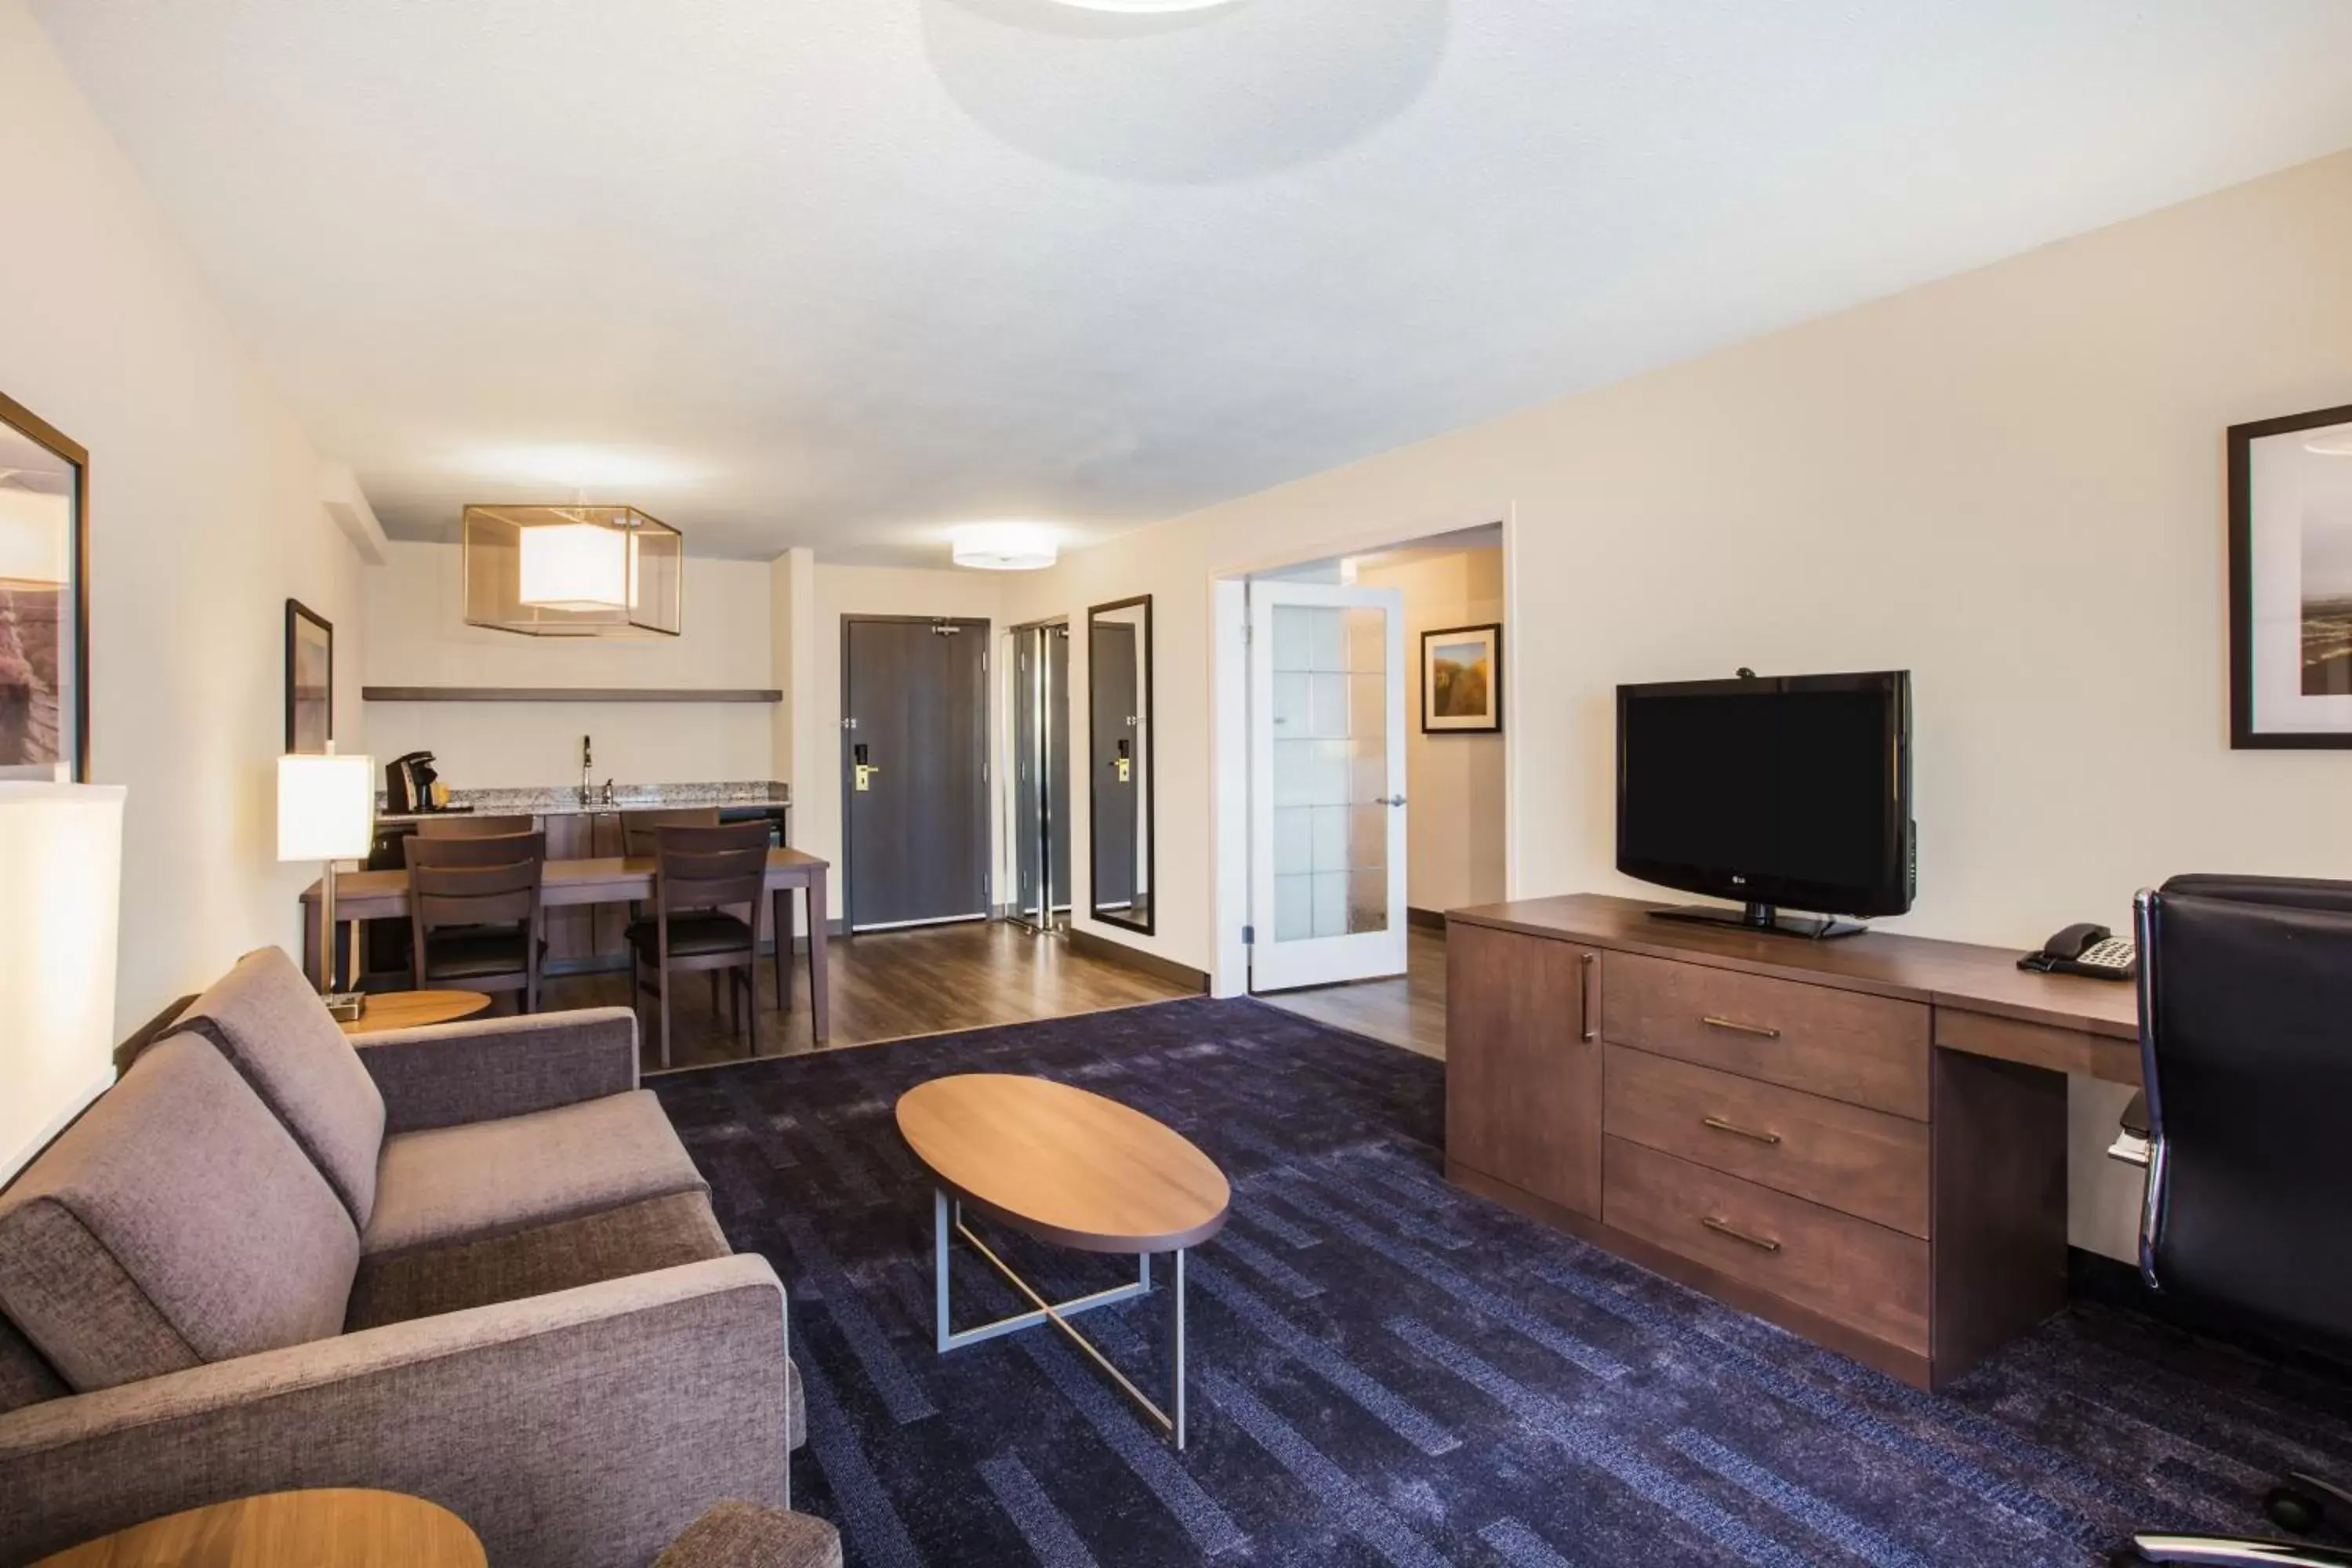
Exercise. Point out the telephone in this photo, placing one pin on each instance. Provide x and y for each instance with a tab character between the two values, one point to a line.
2086	949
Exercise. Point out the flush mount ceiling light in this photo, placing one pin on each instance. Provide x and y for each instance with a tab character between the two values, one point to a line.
573	571
1005	546
1145	7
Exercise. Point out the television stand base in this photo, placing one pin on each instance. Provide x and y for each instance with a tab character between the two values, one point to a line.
1764	918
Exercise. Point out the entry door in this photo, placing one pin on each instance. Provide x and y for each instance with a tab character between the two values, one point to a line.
914	755
1326	784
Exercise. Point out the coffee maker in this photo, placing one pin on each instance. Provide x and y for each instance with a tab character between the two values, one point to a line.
408	785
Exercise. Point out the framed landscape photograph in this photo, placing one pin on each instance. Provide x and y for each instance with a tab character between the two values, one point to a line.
1462	680
309	679
44	601
2291	581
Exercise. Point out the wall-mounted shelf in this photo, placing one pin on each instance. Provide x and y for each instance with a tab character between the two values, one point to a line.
568	694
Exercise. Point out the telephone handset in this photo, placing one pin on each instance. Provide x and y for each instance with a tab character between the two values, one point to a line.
2086	949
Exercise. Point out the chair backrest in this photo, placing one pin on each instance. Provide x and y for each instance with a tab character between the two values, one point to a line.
465	825
475	881
2246	1050
710	868
638	827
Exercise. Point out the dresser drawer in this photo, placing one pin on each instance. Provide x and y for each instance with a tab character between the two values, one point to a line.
1863	1162
1867	1050
1859	1274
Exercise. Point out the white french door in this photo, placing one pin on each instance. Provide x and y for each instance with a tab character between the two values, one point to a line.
1326	784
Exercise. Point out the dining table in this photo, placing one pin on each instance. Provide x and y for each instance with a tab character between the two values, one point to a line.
607	879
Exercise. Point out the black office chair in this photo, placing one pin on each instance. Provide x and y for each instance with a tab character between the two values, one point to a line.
2245	1006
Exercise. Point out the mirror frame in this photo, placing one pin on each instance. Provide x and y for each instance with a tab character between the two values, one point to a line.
1097	758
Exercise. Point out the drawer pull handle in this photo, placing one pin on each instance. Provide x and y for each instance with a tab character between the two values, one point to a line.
1584	998
1720	1125
1733	1231
1712	1022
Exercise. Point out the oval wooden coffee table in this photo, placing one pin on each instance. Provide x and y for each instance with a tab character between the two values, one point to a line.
415	1009
331	1528
1072	1168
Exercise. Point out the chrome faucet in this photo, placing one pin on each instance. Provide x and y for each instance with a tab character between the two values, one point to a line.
587	785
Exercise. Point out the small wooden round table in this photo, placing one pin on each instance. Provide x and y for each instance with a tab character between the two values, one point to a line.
415	1009
331	1528
1072	1168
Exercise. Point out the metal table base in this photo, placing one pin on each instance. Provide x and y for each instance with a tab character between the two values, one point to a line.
947	1217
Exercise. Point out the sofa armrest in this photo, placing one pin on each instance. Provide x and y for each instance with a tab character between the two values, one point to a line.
585	1427
486	1068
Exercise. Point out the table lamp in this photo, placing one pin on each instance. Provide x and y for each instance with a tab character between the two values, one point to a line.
326	812
62	881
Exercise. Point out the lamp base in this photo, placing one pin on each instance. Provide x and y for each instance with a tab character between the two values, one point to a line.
345	1006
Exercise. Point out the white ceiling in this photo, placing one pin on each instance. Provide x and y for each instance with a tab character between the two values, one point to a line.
845	272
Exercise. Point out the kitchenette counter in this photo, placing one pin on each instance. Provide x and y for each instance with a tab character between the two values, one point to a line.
563	800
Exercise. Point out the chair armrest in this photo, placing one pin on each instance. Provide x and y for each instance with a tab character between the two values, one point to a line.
487	1068
585	1427
2131	1145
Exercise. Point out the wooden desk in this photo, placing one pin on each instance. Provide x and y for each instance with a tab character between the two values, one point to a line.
608	879
1863	1140
328	1528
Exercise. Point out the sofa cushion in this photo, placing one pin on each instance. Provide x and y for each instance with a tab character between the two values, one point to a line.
450	1184
753	1535
611	1243
175	1222
24	1377
267	1020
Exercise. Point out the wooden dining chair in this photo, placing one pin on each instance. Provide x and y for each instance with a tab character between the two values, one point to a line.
638	827
701	876
474	912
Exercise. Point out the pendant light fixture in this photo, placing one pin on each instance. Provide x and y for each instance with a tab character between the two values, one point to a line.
573	571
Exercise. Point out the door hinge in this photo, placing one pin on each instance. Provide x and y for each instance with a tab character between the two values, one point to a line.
849	723
1249	936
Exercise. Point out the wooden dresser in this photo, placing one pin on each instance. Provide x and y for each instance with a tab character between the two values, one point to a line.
1862	1140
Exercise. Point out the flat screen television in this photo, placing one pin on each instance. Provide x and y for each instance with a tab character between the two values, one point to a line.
1772	791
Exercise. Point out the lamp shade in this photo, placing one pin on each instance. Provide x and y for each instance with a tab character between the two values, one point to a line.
326	807
61	871
574	566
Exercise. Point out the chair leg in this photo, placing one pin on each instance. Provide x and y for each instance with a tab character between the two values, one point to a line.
662	1001
752	996
714	994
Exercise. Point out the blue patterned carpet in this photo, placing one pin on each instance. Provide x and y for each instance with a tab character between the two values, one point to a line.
1389	1371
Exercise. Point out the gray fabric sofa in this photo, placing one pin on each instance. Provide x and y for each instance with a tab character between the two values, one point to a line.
472	1263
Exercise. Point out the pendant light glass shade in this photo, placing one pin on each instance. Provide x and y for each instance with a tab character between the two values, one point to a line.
573	571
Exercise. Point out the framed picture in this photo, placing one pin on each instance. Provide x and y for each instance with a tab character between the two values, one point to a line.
2291	581
309	679
44	601
1462	680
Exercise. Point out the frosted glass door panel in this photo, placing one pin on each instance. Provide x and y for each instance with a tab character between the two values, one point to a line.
1332	768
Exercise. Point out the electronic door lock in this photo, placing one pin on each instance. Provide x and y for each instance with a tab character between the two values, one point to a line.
1126	769
865	773
864	770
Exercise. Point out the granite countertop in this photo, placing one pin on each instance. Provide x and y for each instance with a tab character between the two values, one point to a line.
563	800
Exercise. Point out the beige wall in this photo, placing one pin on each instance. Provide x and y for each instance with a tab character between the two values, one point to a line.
416	636
206	517
1453	783
2009	482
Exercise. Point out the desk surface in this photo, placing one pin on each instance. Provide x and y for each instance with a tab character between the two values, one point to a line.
1957	975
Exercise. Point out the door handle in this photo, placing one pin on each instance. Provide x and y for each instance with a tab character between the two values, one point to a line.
1389	800
1762	1243
1736	1027
1720	1125
1584	996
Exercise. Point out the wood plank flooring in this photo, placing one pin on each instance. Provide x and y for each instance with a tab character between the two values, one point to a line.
1408	1010
885	986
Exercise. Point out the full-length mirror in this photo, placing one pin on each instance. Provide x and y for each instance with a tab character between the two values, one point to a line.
1118	705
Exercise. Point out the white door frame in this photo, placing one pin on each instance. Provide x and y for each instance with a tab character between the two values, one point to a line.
1229	756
